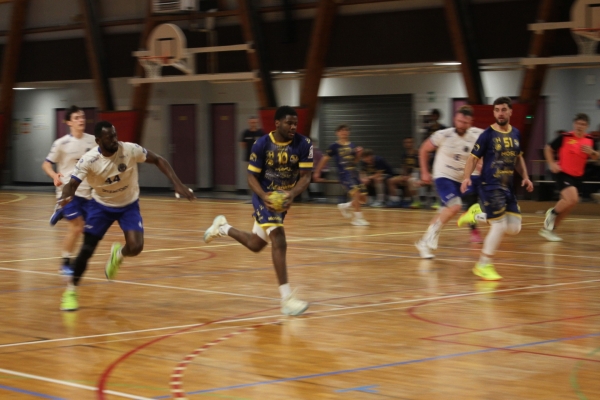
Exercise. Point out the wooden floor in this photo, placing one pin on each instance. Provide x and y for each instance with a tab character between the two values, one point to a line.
189	320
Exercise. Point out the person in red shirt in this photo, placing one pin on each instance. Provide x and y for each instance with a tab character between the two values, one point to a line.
573	150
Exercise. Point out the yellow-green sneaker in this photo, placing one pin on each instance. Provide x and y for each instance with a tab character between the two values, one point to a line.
436	205
114	262
486	272
415	204
468	218
69	301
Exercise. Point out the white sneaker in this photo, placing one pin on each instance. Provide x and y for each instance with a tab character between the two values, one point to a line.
549	221
424	250
377	204
293	306
549	235
345	210
214	231
596	197
359	222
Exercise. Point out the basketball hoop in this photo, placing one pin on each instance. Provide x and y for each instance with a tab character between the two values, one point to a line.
153	65
587	39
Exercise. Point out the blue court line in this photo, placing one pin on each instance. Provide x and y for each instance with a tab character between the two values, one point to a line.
395	364
43	396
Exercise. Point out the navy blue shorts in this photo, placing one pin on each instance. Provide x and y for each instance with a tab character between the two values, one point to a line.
264	217
100	218
77	207
497	202
351	183
448	189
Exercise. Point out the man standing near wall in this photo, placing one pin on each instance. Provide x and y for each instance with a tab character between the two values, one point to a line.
64	153
573	149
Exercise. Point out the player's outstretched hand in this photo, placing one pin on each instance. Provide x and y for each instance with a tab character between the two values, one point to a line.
465	185
186	192
527	184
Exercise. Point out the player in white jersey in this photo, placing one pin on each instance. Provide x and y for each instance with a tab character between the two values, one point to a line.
111	170
453	148
64	153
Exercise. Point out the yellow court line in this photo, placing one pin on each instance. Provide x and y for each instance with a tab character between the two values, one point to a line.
19	197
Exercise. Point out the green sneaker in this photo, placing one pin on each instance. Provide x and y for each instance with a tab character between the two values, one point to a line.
486	272
468	218
436	205
69	301
415	204
113	264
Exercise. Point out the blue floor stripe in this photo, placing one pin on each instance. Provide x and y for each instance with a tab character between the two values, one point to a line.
395	364
35	394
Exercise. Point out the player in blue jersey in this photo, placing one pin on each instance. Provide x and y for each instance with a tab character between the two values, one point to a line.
281	160
346	156
376	174
500	147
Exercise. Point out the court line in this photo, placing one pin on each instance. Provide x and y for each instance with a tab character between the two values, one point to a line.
19	197
28	392
573	378
382	366
71	384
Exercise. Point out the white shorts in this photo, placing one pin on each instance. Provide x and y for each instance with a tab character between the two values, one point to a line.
263	233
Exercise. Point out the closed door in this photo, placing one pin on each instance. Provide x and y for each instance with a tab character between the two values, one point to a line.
224	142
183	142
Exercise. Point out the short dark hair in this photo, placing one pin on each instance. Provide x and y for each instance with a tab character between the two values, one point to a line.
100	126
467	111
503	100
582	117
342	127
70	111
284	111
367	153
436	112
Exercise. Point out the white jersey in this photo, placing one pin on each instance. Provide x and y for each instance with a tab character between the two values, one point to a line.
452	152
115	178
65	152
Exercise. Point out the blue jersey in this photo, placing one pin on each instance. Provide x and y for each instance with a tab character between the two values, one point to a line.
278	164
345	159
379	166
499	151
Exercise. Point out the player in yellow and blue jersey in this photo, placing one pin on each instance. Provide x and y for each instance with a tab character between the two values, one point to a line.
281	160
500	147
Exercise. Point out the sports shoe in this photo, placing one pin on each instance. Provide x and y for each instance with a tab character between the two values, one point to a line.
345	210
549	235
114	262
415	204
424	250
57	215
432	239
486	272
69	301
476	237
214	230
468	218
377	204
359	222
549	221
65	270
394	204
436	205
293	306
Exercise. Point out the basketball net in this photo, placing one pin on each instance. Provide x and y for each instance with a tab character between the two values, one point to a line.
152	65
587	40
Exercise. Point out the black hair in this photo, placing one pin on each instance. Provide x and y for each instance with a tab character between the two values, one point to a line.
100	126
436	112
283	112
367	153
582	117
70	111
342	127
503	100
467	111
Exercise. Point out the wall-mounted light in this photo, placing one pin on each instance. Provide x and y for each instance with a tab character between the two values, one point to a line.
447	63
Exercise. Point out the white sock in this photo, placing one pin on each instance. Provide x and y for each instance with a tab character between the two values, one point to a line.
395	198
120	255
435	227
481	217
224	229
358	214
70	286
494	237
285	290
66	254
484	260
381	197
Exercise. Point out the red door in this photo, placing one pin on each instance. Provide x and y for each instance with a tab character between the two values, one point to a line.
183	142
224	146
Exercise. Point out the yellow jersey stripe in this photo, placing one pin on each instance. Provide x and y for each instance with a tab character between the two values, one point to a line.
306	165
254	169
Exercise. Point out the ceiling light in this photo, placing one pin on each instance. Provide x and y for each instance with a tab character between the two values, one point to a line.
447	63
289	72
23	88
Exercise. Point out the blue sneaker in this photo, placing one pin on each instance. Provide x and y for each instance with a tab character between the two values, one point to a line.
66	270
57	215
